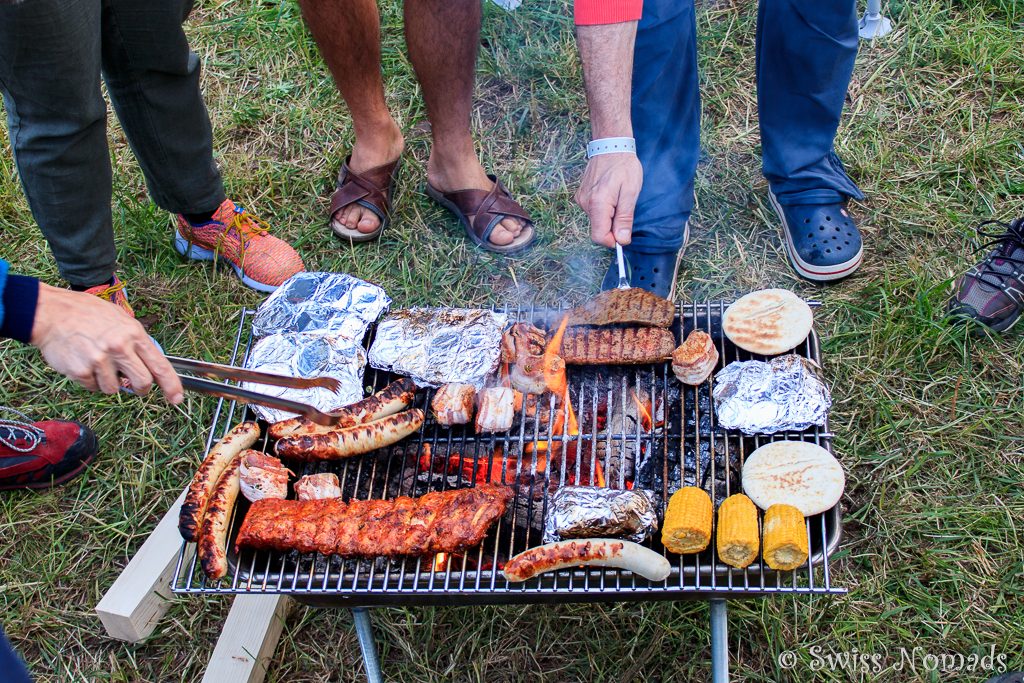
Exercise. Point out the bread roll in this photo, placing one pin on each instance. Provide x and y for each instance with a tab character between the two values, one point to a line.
695	358
796	473
768	322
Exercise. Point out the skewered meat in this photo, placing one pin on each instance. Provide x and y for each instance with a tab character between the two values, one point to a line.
262	476
394	397
453	404
496	410
439	522
615	346
318	486
634	306
344	443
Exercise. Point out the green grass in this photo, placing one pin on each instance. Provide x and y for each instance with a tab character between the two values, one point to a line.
929	420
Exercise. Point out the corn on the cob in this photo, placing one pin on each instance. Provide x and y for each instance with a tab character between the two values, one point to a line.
687	527
785	537
737	538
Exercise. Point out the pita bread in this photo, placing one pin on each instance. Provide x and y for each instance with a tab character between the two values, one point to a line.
796	473
768	322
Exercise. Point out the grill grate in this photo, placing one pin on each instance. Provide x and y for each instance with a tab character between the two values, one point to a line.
682	446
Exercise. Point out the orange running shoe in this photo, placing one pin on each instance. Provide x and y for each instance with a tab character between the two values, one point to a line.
114	293
261	260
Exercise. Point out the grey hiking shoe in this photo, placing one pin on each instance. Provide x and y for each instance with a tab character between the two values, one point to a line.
992	292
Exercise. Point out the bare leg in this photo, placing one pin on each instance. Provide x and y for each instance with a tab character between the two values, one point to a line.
442	36
348	35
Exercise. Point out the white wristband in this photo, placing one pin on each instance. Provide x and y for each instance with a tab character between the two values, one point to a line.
611	146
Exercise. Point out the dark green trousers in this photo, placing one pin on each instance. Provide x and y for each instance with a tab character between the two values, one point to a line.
52	56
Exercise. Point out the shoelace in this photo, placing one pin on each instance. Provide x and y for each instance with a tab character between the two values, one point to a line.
1008	241
246	226
12	431
108	293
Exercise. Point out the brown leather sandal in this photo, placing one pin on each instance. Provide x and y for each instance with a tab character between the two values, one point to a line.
372	189
488	208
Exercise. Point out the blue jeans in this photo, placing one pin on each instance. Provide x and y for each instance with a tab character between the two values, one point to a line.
805	54
12	669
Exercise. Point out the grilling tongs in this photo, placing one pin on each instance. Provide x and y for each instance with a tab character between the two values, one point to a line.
228	391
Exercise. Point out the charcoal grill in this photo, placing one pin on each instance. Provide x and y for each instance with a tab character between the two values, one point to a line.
680	445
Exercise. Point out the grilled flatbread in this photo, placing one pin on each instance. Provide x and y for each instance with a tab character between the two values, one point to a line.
796	473
768	322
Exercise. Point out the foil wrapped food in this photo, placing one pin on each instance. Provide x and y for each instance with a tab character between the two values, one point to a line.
313	326
435	346
783	394
593	512
299	354
335	304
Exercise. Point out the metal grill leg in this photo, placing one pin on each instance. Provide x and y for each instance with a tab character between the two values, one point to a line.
873	24
364	631
719	642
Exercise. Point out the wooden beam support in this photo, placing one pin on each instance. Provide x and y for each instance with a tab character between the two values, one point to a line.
248	639
132	606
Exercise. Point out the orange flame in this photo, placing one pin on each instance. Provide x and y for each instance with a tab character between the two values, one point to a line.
554	366
643	409
440	561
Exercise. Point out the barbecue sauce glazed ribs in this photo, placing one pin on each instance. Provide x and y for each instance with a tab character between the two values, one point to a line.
438	522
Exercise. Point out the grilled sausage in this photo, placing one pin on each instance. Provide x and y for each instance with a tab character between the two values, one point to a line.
594	552
190	518
344	443
391	399
213	537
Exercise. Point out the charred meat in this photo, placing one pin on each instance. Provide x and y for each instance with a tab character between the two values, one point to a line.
634	306
439	522
616	345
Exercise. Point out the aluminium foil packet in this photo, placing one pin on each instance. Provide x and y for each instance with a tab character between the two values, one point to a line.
435	346
595	512
780	395
314	326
